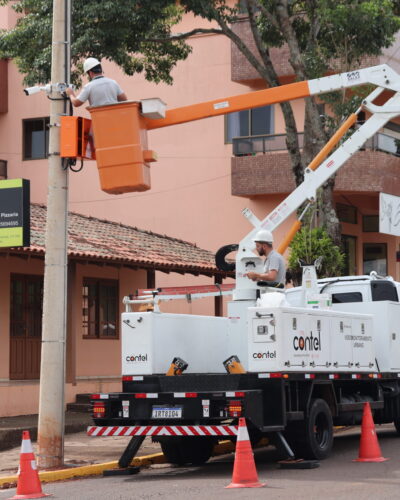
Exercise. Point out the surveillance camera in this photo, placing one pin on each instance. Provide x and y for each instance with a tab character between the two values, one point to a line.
32	90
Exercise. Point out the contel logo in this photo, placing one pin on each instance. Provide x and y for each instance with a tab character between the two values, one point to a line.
139	357
309	343
264	355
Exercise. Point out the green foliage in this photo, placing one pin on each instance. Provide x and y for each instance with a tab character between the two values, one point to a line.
327	30
136	35
353	29
106	29
308	245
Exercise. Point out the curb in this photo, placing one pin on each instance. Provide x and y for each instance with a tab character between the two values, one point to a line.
97	469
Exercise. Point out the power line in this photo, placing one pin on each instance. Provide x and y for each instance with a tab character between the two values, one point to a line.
153	193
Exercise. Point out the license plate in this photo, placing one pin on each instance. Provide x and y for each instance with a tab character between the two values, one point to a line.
164	412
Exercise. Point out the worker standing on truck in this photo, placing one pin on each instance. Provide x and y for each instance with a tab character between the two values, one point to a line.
100	90
274	264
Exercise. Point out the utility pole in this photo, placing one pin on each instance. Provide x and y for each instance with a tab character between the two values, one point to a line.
52	370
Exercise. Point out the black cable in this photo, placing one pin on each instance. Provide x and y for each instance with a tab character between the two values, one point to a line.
76	169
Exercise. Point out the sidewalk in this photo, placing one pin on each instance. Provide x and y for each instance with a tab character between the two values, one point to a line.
11	427
79	449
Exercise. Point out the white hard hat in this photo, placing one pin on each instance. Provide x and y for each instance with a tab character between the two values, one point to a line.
263	236
90	63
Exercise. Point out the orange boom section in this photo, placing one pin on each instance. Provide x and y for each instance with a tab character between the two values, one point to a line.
121	147
226	105
120	132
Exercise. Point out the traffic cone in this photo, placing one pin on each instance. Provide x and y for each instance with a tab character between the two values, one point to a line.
28	485
244	468
370	450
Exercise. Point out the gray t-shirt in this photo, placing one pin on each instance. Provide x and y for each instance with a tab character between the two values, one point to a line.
100	91
276	262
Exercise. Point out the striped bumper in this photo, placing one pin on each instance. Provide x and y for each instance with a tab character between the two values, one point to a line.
164	430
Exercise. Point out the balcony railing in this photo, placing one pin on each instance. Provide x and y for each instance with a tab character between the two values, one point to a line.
261	144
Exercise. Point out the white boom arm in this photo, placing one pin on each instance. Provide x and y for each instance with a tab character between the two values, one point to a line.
382	76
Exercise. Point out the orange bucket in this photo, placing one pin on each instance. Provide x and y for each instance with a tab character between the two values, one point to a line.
120	138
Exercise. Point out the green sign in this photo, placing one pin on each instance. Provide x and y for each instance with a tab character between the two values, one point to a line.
14	213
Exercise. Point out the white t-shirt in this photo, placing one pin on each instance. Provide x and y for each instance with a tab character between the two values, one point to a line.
100	91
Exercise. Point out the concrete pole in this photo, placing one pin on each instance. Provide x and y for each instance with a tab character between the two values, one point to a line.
52	370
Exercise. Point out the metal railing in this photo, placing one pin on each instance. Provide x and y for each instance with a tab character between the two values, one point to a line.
262	144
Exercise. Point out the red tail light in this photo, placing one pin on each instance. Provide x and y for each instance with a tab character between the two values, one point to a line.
235	409
99	409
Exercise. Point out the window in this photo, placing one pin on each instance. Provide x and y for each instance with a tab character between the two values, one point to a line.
100	308
370	223
341	298
252	122
375	258
384	290
346	213
349	244
35	138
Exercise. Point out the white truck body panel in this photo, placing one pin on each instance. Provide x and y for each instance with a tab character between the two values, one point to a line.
265	339
386	330
296	339
151	340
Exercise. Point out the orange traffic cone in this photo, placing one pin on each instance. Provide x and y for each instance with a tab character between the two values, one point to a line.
244	468
28	485
370	450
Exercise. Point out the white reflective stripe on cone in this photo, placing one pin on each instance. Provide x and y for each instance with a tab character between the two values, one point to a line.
243	434
26	446
33	464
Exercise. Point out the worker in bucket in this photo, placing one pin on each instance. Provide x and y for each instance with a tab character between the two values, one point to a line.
274	264
100	90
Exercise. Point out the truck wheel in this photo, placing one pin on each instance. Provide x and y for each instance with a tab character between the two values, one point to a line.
397	425
313	438
187	450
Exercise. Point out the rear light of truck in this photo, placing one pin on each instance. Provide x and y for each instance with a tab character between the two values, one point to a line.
99	409
235	409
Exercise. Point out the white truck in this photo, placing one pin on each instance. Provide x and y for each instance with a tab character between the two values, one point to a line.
294	362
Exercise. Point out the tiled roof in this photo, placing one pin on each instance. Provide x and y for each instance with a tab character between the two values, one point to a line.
96	239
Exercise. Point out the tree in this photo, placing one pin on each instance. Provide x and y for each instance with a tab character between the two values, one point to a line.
307	246
321	35
114	30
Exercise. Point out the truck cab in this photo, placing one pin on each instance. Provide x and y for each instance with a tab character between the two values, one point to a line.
345	289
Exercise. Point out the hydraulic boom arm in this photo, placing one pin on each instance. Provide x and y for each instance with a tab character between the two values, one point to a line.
382	76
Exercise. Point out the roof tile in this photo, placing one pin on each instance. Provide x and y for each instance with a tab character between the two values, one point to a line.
106	240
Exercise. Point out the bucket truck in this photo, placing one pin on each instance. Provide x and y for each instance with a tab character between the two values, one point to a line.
289	361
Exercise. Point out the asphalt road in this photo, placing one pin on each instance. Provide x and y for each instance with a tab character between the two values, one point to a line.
337	478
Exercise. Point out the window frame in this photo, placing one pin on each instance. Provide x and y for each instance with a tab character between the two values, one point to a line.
98	282
46	122
249	121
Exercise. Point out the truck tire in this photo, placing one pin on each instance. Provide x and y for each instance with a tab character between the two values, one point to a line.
313	438
187	450
396	422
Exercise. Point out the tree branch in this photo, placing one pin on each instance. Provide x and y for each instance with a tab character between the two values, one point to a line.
262	50
264	10
290	36
183	36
